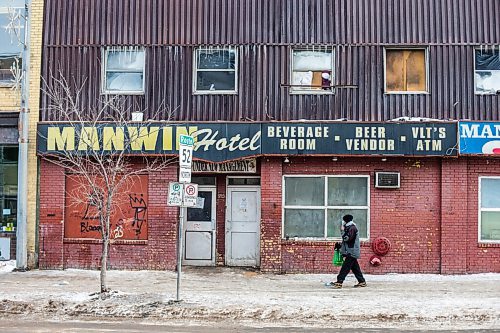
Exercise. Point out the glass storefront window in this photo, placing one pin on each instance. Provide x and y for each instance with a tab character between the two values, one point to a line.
314	205
8	188
489	205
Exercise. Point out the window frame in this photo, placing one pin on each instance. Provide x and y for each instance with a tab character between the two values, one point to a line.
427	72
235	70
325	207
480	210
11	82
4	10
104	71
480	70
296	90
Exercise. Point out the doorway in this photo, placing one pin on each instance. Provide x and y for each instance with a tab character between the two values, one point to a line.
199	230
243	222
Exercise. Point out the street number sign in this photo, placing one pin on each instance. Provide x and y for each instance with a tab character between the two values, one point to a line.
186	144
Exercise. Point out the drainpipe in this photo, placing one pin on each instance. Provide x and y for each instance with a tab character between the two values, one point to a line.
22	169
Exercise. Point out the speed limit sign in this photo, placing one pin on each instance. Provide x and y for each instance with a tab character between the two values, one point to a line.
186	144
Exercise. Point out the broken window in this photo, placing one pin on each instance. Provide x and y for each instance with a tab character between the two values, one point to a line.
487	71
489	204
405	70
215	70
124	70
11	40
312	71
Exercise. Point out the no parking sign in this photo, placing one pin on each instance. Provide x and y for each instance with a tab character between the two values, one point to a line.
190	194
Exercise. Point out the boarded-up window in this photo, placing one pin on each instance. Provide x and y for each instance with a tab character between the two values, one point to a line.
312	71
129	218
405	70
487	71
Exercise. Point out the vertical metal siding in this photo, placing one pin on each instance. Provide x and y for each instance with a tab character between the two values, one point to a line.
194	22
265	31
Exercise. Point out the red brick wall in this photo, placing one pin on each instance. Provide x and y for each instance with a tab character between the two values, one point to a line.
270	229
454	223
52	184
409	216
220	220
481	257
431	221
158	252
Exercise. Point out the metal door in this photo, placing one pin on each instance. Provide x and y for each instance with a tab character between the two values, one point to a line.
243	226
199	231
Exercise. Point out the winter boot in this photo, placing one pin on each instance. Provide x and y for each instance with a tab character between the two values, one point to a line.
337	285
360	284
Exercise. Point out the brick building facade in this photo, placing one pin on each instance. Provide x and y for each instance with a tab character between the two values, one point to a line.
340	70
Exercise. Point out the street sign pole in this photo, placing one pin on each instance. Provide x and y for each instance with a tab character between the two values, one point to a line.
186	144
180	244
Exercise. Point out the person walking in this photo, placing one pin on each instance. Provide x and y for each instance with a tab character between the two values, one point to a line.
350	250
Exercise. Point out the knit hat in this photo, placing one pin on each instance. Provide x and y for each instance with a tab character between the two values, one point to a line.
347	218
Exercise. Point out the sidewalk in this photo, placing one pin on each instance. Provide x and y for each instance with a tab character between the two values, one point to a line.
215	295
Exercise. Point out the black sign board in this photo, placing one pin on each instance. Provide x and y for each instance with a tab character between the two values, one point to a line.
227	141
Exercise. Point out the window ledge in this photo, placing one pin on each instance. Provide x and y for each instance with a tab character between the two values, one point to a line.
220	92
487	94
99	241
312	242
6	84
485	244
328	93
125	93
407	93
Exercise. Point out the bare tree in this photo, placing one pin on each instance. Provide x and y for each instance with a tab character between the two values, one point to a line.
101	174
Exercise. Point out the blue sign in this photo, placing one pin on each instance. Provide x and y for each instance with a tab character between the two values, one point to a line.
479	138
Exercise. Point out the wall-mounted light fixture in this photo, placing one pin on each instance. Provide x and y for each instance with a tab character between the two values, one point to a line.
286	160
335	159
384	159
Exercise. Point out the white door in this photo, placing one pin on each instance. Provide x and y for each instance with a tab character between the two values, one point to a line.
243	226
199	231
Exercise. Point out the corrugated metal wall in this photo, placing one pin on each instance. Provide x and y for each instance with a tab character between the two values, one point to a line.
265	31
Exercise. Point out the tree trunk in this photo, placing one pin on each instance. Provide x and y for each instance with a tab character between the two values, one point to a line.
104	265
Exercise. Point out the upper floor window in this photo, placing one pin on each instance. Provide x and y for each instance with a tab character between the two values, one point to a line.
319	213
11	40
406	71
124	71
487	75
489	209
215	70
312	71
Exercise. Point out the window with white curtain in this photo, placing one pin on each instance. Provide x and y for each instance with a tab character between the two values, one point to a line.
312	71
124	70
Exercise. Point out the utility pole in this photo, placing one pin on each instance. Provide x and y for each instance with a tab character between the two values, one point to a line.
22	169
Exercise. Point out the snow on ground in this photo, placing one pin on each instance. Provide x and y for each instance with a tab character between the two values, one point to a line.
7	266
244	296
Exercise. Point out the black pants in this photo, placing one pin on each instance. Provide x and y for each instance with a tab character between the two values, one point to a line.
350	263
